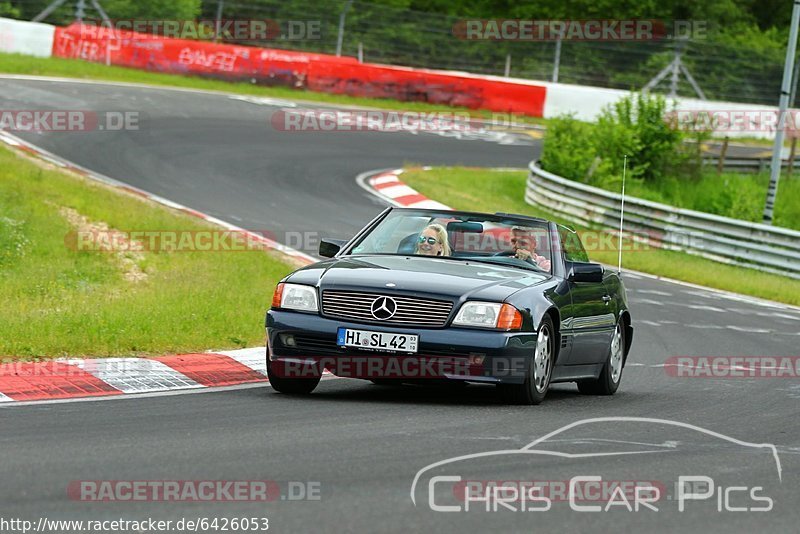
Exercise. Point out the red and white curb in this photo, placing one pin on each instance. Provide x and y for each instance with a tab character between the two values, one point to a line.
54	380
71	378
388	186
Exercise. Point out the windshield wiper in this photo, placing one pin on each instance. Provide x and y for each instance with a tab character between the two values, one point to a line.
523	265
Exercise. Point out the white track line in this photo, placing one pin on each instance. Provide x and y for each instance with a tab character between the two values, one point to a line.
136	375
254	358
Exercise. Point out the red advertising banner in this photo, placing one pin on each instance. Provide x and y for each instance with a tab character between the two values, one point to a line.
315	72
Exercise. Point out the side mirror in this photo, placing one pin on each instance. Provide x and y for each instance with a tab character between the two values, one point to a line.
328	248
585	272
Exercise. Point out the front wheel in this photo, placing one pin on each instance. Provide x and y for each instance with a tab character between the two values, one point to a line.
288	385
611	375
537	376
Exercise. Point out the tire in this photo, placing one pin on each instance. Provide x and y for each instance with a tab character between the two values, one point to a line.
539	371
611	375
291	386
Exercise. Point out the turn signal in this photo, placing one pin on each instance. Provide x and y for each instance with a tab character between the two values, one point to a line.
277	296
510	318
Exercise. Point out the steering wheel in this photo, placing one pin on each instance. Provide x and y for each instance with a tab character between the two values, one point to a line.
513	254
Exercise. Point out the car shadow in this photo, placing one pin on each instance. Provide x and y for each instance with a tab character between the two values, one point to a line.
351	390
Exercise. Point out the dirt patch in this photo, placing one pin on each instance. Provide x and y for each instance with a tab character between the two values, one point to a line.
125	253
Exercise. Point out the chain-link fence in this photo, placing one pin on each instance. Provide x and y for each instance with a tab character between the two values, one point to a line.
384	34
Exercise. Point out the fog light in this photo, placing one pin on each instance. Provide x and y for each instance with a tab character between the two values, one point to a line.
288	340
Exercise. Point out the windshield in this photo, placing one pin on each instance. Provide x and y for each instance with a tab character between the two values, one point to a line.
490	239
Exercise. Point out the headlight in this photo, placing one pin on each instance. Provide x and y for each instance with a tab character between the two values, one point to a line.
295	297
489	315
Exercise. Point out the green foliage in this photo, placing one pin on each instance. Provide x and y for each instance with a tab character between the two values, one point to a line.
662	165
8	10
152	9
740	196
635	126
568	150
116	9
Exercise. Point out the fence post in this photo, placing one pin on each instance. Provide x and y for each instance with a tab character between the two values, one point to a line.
218	20
342	16
46	11
508	65
557	59
791	157
80	10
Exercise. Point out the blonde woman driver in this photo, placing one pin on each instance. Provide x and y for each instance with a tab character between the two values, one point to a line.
432	241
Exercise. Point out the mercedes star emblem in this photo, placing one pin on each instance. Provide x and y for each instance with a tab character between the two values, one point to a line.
383	308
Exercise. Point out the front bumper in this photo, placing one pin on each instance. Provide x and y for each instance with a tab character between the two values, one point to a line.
465	354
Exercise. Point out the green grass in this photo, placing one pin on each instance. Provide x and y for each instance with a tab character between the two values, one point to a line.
737	195
74	68
492	191
57	301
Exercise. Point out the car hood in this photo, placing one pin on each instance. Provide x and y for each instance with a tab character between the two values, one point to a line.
418	276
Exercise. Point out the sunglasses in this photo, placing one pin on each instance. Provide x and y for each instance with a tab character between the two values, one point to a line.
430	240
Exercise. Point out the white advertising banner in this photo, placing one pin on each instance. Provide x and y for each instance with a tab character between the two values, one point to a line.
22	37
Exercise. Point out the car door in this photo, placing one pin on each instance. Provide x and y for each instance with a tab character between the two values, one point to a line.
589	320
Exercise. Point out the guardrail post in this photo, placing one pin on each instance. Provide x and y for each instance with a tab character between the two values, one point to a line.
722	153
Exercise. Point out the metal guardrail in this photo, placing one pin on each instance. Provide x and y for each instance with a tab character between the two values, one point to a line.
757	246
748	164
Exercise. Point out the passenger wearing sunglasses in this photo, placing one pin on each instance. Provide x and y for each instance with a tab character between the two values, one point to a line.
433	241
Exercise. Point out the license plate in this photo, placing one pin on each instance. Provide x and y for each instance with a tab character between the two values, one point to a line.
364	339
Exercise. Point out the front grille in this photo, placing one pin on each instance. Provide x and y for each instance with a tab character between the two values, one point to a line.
357	306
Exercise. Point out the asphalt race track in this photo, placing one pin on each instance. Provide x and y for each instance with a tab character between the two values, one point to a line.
364	444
